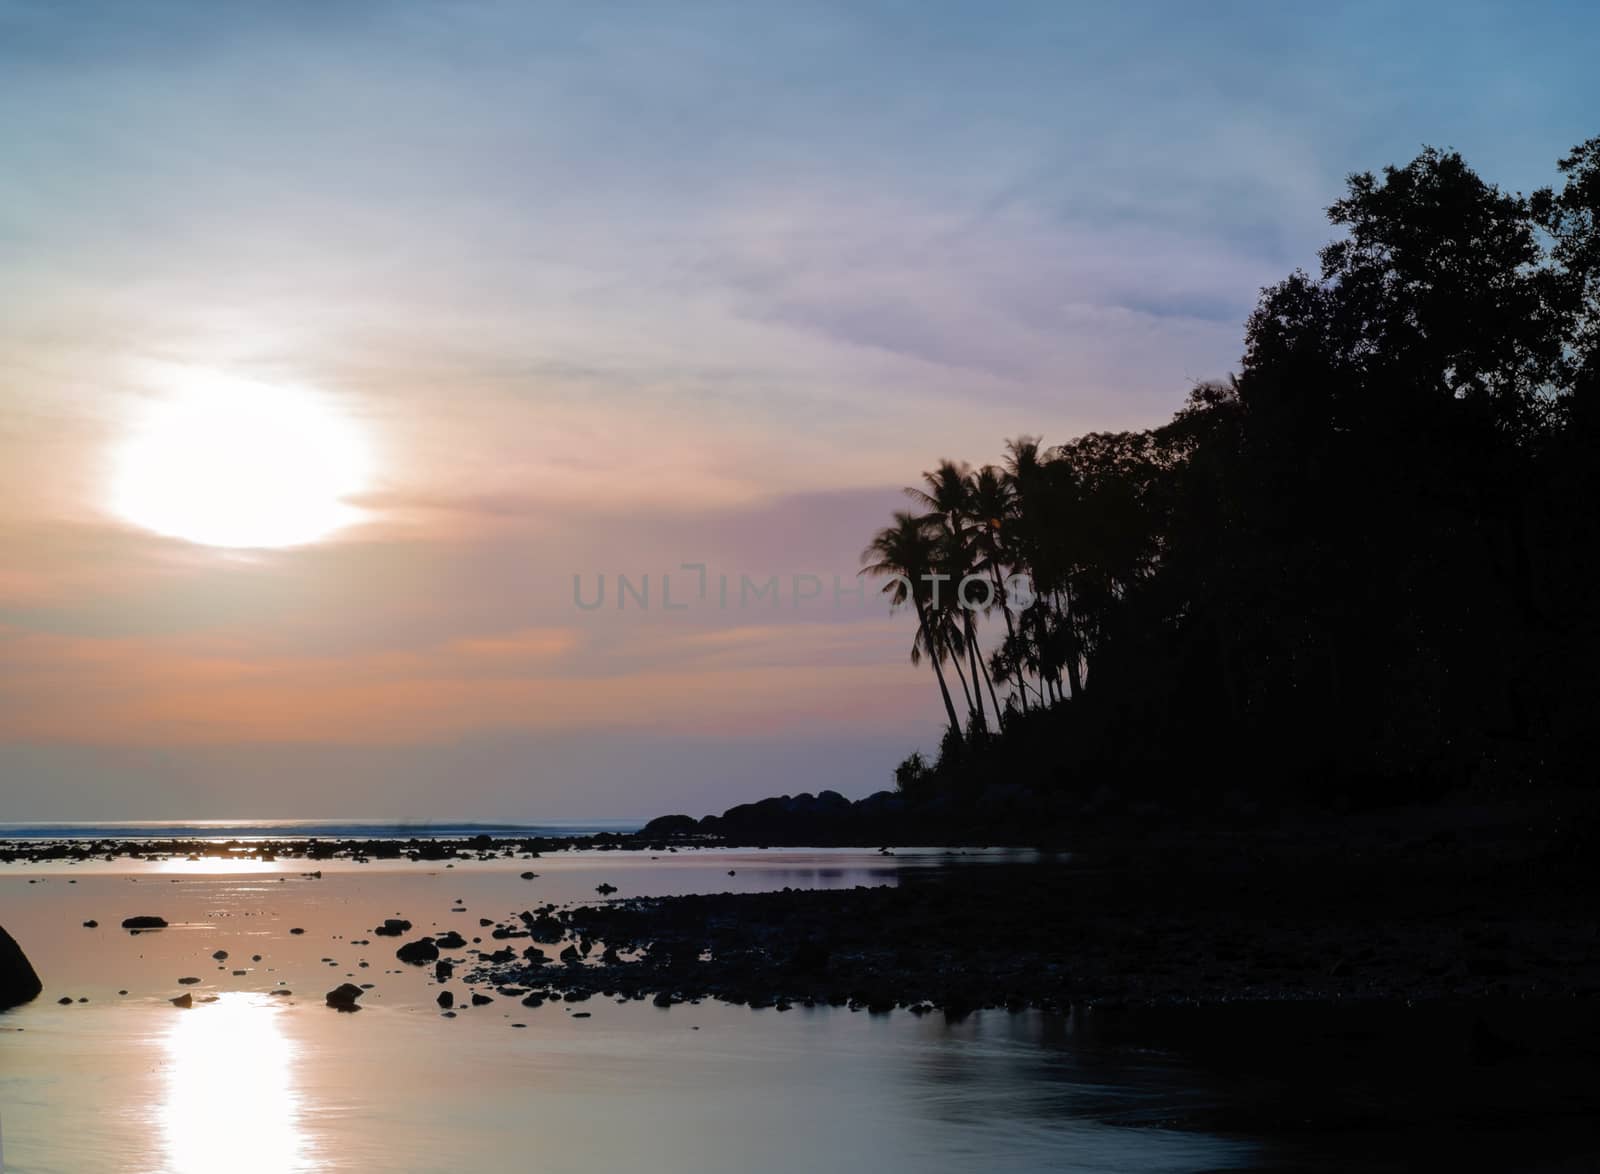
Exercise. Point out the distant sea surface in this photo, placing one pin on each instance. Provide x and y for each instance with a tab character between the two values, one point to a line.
304	828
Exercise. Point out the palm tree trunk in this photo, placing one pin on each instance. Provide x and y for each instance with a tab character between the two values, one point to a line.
977	656
944	689
1011	633
972	663
962	677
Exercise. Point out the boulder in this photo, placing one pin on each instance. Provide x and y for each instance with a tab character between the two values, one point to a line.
666	826
417	952
18	982
144	921
393	927
343	997
450	940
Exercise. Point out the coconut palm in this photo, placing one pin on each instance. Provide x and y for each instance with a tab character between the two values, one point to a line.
992	502
948	500
904	553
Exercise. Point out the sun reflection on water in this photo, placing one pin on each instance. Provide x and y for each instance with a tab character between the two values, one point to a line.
220	865
231	1099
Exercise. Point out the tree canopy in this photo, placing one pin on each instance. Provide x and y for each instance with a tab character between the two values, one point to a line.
1367	560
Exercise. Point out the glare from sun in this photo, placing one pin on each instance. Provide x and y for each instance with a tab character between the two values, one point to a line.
223	461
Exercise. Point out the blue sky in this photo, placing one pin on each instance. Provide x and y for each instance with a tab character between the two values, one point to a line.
608	287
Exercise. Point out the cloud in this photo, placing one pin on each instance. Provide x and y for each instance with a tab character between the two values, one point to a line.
137	691
614	288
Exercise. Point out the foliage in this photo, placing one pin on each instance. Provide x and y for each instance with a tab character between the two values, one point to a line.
1366	561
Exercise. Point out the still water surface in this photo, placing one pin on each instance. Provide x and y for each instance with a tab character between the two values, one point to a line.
257	1083
254	1083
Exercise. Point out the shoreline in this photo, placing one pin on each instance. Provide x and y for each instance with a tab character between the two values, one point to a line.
1438	905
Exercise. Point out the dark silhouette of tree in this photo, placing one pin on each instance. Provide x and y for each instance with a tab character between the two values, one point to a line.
1364	564
905	553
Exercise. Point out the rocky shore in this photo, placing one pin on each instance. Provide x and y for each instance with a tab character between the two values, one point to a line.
1460	903
1055	936
1005	815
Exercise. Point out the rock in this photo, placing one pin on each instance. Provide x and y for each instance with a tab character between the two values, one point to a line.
446	1000
185	1001
393	927
666	826
144	921
529	875
809	957
417	952
450	940
605	890
18	982
297	930
442	970
220	955
91	924
570	956
65	1000
546	929
343	997
188	981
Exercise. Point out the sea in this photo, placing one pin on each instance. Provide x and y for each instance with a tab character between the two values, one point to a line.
103	1073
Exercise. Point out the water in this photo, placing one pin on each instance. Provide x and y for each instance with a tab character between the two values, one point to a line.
251	829
253	1083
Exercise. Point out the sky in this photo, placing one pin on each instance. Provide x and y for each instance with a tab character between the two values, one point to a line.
611	289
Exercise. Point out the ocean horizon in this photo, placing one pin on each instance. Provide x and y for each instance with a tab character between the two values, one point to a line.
352	829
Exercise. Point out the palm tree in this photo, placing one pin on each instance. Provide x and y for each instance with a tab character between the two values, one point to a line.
948	501
992	502
1046	491
904	553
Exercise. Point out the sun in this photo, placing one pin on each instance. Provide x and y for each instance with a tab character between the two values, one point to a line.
227	462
